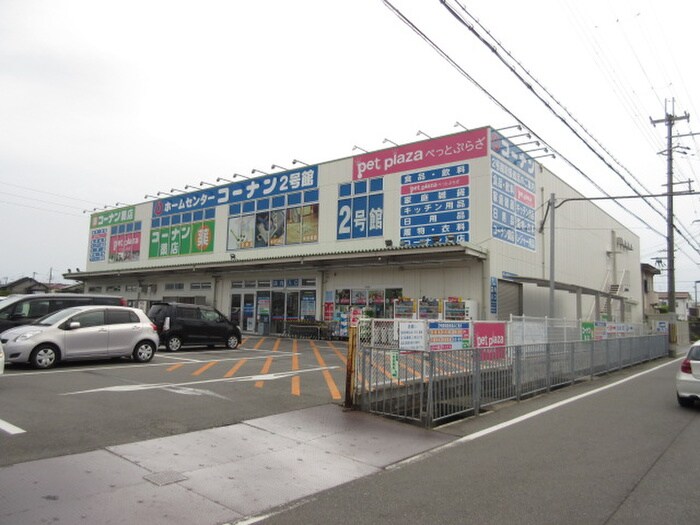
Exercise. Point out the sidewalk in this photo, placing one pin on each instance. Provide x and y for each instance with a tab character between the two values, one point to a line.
214	476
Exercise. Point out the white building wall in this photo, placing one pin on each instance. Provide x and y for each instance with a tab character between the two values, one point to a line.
586	250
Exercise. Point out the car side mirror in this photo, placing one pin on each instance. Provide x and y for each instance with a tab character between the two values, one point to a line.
73	325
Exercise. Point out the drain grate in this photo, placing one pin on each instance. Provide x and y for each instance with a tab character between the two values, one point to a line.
165	478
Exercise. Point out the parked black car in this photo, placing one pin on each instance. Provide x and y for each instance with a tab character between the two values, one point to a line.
17	310
180	323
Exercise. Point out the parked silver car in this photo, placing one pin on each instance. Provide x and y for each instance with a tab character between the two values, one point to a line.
82	332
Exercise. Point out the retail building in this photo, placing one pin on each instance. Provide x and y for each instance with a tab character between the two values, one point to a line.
451	227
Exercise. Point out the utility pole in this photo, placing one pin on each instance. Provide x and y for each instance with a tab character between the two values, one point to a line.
669	119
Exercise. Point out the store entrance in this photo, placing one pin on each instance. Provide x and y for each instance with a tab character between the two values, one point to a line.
277	317
271	312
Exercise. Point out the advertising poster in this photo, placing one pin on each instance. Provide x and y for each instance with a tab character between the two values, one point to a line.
125	247
328	311
98	245
587	331
359	297
342	297
513	193
308	304
435	206
262	229
183	239
202	237
294	225
272	185
113	217
309	224
600	330
277	227
491	336
421	155
376	297
446	335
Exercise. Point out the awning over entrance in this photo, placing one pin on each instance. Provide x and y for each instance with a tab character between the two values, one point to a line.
387	256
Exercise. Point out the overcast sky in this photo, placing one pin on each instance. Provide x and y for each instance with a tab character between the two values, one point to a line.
103	102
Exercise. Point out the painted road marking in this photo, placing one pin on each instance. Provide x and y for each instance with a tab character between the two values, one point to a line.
296	380
165	386
235	368
268	364
10	428
204	368
335	393
525	417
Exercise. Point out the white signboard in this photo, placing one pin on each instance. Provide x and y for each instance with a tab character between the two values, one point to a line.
411	336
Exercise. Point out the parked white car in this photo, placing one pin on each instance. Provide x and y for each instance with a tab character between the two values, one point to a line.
82	332
688	377
2	360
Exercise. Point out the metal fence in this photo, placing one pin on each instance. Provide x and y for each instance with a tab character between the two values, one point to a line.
432	387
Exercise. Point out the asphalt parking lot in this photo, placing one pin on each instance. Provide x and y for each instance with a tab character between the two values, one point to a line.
82	406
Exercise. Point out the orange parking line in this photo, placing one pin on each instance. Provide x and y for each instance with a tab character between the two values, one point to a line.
296	380
204	368
235	368
264	370
174	367
335	393
259	343
343	358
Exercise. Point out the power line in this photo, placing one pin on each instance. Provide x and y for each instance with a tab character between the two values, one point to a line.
41	209
493	49
48	193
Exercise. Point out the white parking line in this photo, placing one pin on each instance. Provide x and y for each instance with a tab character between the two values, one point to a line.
167	386
141	365
524	417
10	428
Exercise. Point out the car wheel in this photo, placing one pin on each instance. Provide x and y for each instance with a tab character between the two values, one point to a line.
174	343
685	402
44	356
233	341
144	352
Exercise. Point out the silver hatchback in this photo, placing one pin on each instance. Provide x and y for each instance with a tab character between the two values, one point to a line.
82	332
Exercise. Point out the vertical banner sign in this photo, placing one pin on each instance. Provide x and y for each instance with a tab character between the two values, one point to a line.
513	195
394	355
491	337
98	245
587	331
494	295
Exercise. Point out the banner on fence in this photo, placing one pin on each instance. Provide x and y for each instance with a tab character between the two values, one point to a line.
587	331
411	335
449	335
491	336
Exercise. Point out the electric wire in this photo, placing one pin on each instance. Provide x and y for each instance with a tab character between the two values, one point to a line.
529	86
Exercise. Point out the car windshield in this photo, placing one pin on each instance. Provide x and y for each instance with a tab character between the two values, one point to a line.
53	318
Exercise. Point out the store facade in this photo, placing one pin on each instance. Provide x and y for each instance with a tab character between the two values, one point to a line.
442	228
